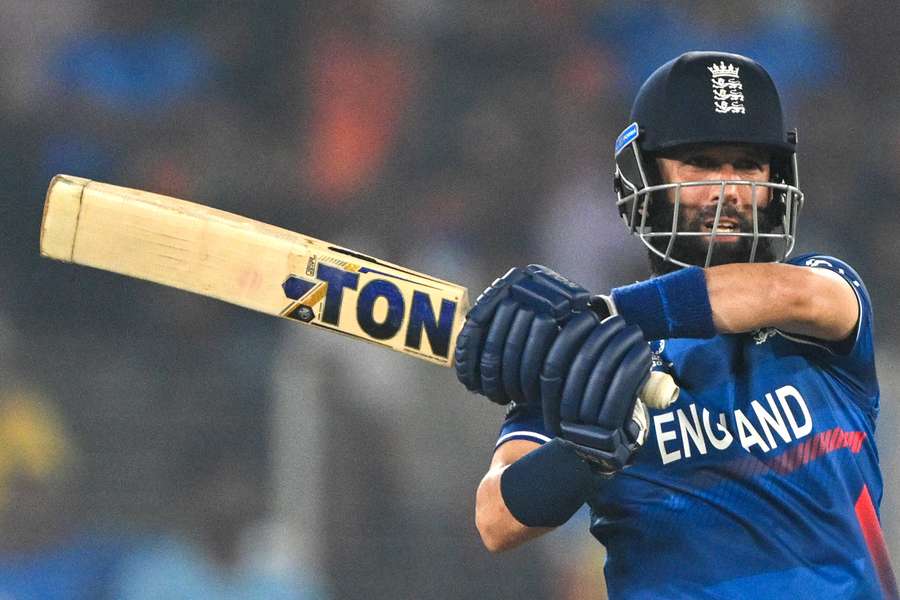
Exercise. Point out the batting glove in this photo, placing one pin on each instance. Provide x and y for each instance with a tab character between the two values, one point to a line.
589	386
509	330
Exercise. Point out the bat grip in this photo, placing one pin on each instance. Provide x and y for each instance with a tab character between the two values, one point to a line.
660	391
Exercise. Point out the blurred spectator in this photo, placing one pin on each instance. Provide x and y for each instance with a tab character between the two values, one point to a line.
112	83
211	552
144	66
47	552
792	40
30	32
361	84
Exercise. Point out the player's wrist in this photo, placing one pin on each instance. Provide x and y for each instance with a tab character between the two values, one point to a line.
675	305
547	486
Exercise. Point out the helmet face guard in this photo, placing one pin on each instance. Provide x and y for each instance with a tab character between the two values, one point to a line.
637	192
707	99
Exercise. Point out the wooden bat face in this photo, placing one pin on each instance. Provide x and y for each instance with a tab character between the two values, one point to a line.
258	266
265	268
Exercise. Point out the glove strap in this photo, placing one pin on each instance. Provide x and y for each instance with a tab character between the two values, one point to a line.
675	305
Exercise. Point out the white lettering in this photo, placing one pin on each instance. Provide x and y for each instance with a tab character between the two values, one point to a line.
725	440
789	391
771	420
747	433
692	431
663	437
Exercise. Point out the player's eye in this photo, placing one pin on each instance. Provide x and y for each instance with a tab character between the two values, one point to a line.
748	164
700	161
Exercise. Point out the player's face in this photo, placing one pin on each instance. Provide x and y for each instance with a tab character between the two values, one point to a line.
698	204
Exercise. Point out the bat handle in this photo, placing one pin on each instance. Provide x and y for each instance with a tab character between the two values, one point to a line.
660	391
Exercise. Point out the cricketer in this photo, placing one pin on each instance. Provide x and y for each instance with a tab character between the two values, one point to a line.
762	480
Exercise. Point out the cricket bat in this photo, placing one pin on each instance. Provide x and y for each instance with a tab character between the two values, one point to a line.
265	268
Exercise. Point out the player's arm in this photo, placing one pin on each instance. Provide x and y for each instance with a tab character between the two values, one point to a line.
699	303
531	489
498	528
816	303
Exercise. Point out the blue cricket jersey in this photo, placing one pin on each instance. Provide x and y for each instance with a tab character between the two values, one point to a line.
761	481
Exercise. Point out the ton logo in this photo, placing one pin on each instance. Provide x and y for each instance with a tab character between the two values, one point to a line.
418	316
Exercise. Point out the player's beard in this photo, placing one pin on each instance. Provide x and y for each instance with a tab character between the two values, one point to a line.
693	249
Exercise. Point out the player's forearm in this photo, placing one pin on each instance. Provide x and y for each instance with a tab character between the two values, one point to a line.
498	528
738	298
805	301
528	490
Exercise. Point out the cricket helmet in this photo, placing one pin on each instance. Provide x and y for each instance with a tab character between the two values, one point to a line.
707	98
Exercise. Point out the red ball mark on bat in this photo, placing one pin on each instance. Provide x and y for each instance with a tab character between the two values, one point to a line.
249	280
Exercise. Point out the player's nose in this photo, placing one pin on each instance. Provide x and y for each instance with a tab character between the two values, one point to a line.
733	192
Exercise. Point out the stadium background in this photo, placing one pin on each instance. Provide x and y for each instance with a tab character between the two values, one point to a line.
457	138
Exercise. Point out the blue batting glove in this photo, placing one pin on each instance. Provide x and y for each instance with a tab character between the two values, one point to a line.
590	381
472	339
500	350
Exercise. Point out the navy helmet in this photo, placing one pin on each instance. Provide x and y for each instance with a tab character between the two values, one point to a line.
707	98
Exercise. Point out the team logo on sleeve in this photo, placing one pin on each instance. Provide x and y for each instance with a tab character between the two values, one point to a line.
728	91
658	363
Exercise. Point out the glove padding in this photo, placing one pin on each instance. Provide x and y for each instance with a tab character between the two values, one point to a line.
501	348
589	386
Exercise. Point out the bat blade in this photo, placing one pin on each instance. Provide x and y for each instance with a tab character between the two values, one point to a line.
268	269
238	260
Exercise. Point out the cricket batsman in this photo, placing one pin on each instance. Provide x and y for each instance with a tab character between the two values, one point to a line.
762	479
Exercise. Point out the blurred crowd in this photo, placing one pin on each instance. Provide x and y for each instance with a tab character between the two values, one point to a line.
170	446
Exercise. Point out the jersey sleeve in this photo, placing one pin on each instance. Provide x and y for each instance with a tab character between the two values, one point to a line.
852	359
523	423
